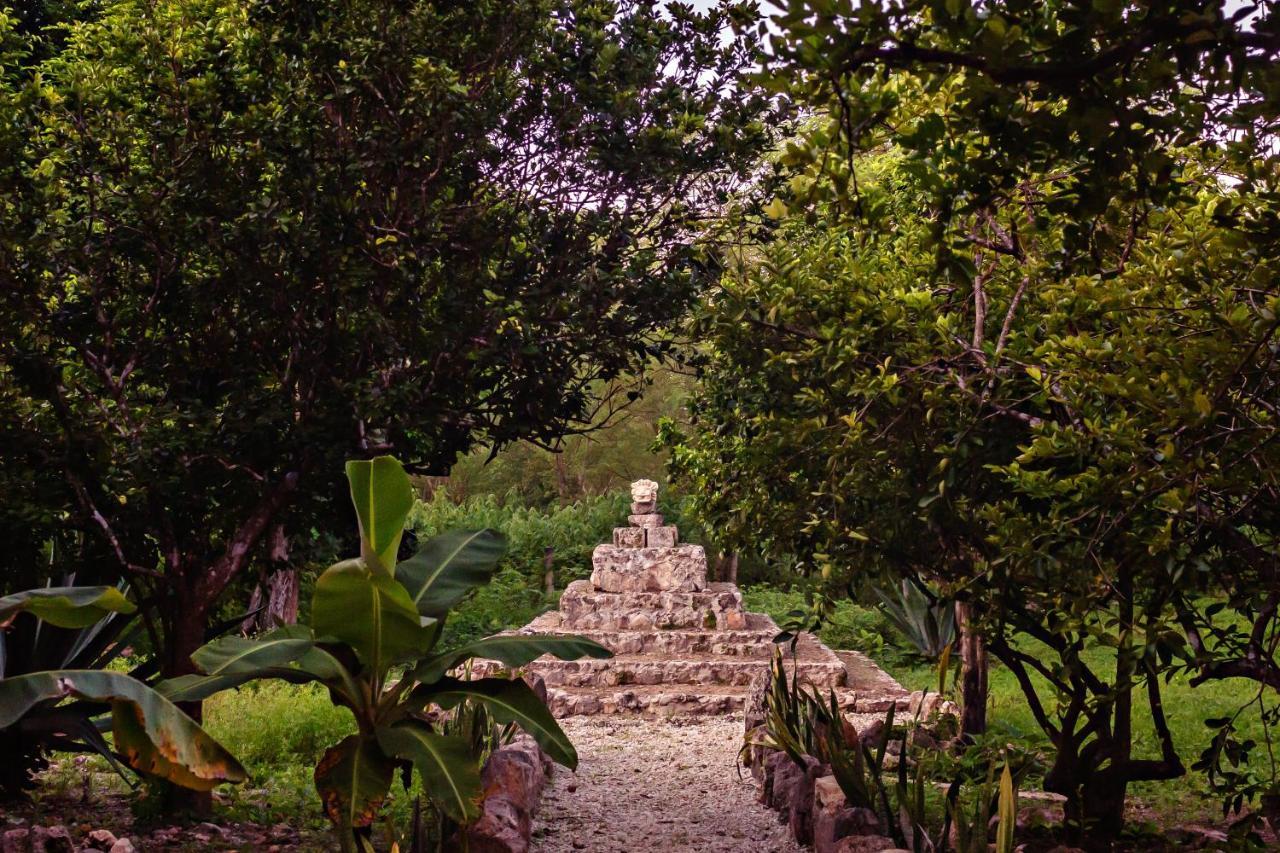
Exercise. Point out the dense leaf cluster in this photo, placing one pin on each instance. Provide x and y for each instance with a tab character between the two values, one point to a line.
241	242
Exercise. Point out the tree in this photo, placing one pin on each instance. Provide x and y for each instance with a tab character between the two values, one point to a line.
1093	176
243	242
1062	455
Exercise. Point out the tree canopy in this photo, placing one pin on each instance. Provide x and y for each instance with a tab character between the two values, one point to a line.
244	242
1013	336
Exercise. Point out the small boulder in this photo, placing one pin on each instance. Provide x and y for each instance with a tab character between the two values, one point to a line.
772	763
800	817
833	826
102	838
16	840
51	839
123	845
502	828
786	778
515	775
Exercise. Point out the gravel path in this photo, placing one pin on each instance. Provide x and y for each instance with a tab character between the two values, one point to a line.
665	785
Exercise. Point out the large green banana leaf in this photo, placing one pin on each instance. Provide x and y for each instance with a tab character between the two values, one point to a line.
449	566
151	733
353	779
371	613
512	650
509	701
383	496
315	664
450	773
66	606
232	655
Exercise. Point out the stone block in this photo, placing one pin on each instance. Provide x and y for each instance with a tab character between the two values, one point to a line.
51	839
659	537
585	608
502	828
650	519
679	569
827	795
628	537
17	840
644	508
800	817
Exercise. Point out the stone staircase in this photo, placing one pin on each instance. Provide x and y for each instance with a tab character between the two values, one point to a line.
682	645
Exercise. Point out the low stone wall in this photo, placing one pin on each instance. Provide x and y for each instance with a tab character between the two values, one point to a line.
513	778
810	802
807	798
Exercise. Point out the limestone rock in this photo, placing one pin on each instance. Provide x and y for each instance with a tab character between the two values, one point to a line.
516	775
628	537
502	828
648	519
123	845
661	537
51	839
16	840
682	568
832	826
102	838
644	491
800	815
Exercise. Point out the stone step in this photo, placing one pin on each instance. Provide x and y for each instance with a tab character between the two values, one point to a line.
718	607
668	567
644	669
753	642
647	701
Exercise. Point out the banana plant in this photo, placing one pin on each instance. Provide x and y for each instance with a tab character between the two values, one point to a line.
373	642
60	708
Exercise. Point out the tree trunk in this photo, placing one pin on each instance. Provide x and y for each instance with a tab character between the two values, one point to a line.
279	589
973	672
549	572
184	634
730	572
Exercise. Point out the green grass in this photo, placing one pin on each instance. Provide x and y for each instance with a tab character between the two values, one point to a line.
278	731
1179	801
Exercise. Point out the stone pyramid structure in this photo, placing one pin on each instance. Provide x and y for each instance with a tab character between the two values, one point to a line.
681	644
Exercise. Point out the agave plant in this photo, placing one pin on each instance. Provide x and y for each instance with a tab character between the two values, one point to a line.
927	622
65	707
373	642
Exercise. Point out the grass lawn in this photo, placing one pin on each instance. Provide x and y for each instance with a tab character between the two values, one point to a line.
1180	801
1177	802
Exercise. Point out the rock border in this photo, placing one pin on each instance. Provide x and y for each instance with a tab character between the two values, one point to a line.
514	777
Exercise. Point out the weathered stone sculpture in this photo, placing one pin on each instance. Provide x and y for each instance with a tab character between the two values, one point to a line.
682	644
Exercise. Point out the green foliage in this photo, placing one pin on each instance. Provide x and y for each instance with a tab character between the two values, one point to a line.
66	606
592	464
846	625
150	734
245	242
891	774
373	642
929	624
1018	342
508	601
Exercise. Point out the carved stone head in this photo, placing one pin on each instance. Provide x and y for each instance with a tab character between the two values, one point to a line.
644	492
